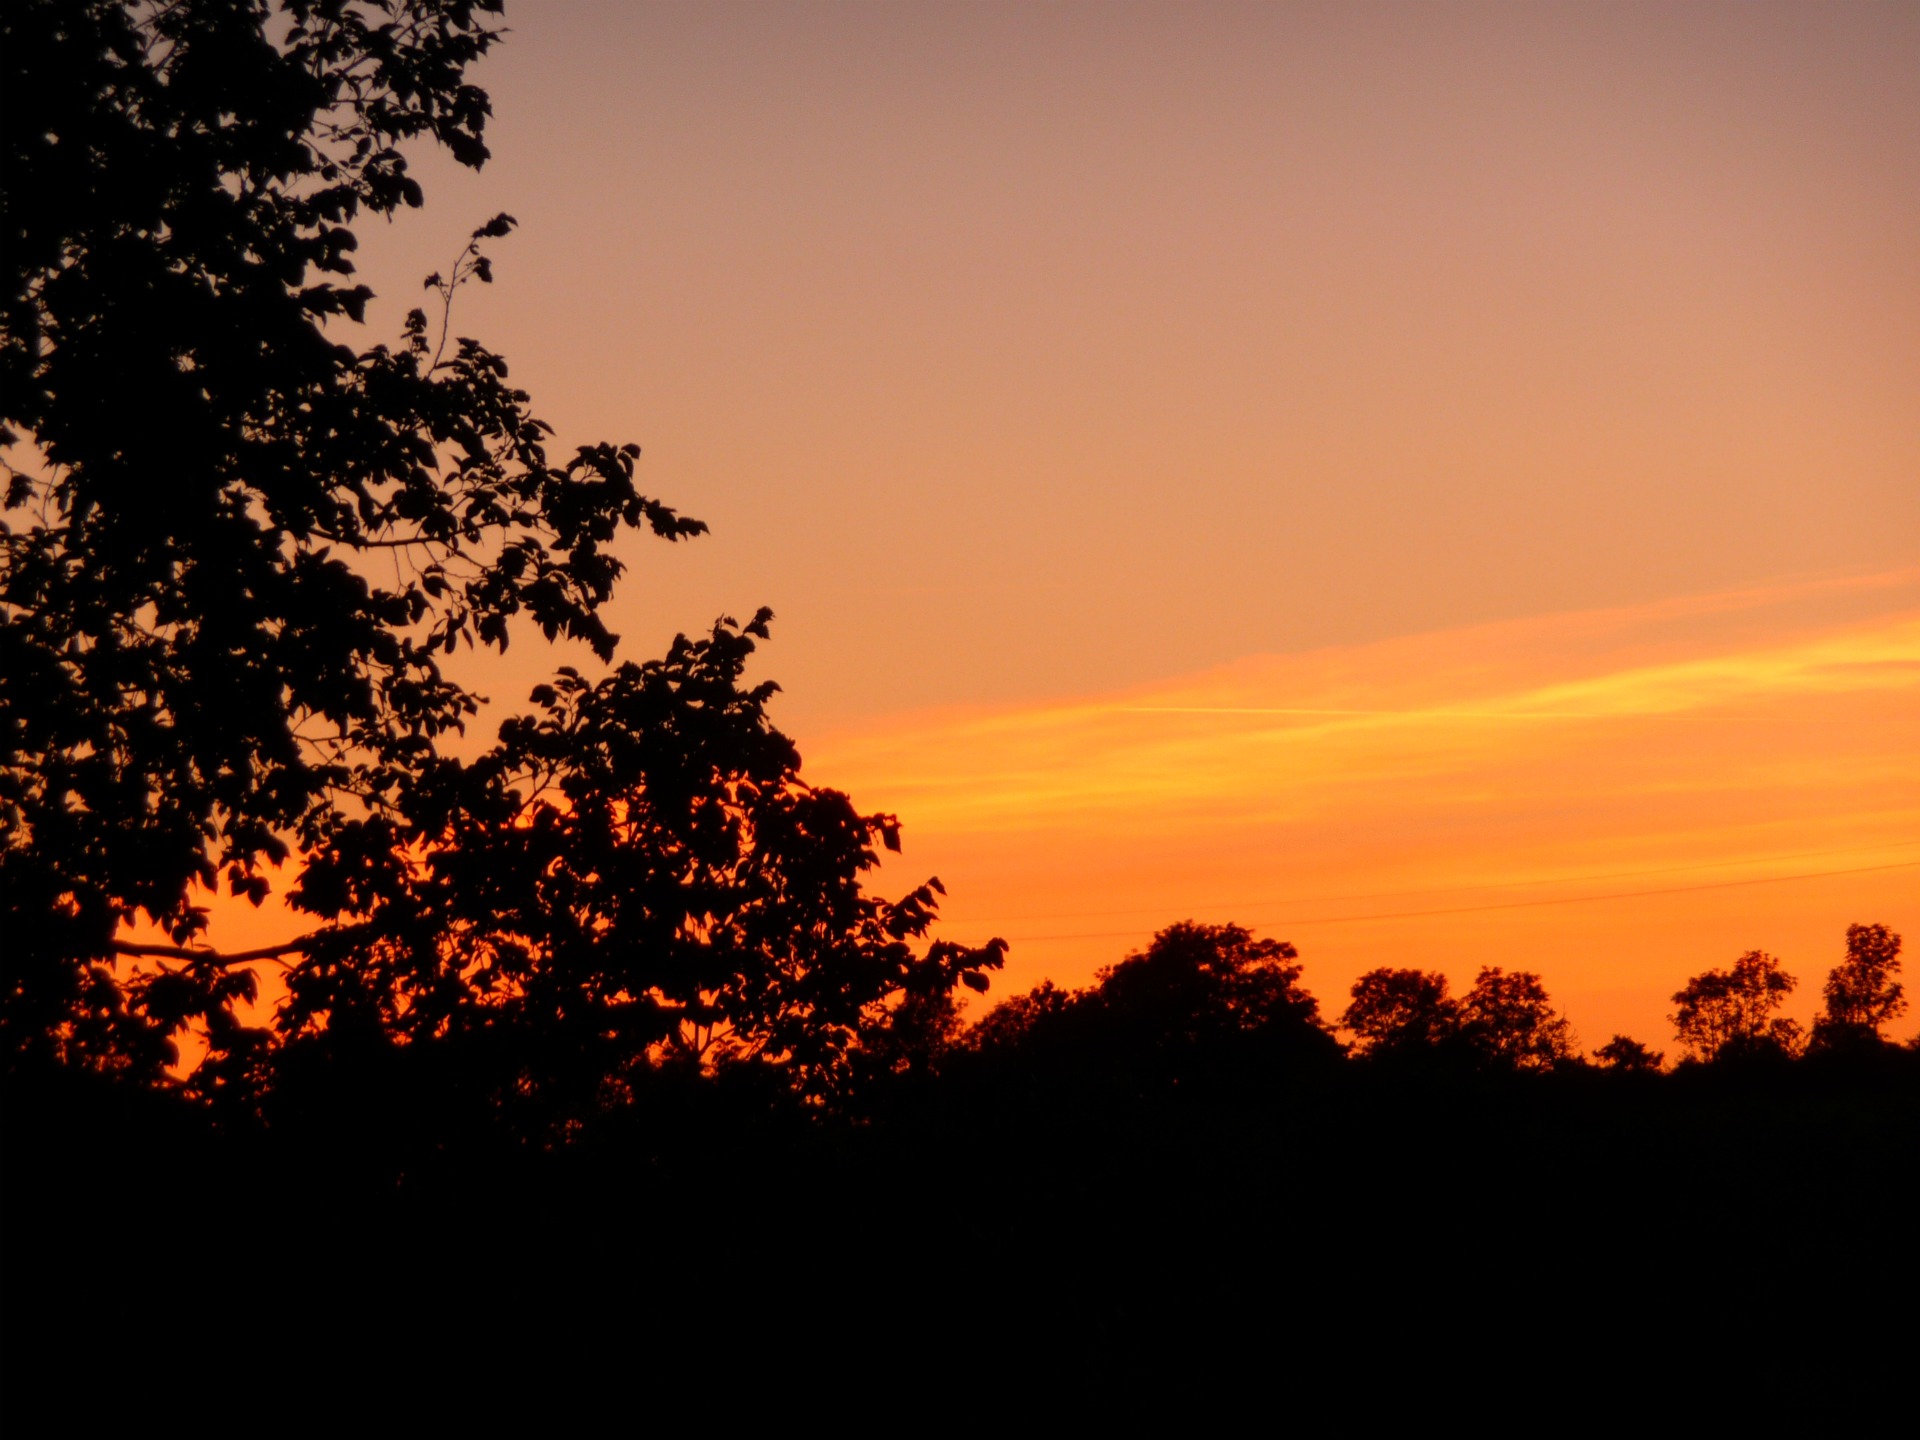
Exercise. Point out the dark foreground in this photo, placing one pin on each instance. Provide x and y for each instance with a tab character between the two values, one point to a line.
1616	1228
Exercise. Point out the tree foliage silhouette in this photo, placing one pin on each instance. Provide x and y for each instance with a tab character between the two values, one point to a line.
237	549
1861	992
1200	1008
635	875
1508	1021
1200	980
1624	1055
1726	1013
1400	1012
1505	1022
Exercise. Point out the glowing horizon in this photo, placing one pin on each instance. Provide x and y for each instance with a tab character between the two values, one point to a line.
1750	785
1657	787
1206	460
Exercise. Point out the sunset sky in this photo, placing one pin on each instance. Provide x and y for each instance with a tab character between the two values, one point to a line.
1439	484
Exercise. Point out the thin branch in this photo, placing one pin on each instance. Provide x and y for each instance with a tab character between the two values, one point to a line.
204	956
398	542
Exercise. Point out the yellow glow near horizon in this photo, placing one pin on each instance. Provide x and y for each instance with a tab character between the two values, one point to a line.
1617	799
1763	787
1136	414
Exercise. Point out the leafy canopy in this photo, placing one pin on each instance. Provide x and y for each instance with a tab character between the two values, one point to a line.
1203	1008
634	875
1505	1022
1400	1011
1725	1013
1623	1055
236	551
1508	1020
1861	992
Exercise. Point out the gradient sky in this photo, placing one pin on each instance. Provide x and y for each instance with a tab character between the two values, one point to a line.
1221	460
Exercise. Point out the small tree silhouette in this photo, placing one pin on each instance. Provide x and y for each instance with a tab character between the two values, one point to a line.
1201	1008
1508	1020
1200	981
1625	1056
1396	1012
1861	992
1723	1013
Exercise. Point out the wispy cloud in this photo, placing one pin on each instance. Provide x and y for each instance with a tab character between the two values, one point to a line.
1710	739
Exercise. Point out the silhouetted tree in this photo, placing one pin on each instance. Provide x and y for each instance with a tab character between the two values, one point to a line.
636	875
1724	1013
1509	1022
1015	1021
1861	992
913	1037
195	664
236	550
1397	1012
1626	1056
1202	1005
1201	981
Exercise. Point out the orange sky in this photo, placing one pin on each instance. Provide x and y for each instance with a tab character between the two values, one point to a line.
1083	384
1616	799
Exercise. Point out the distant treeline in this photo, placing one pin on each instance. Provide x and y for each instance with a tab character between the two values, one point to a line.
1202	1011
1209	989
1083	1171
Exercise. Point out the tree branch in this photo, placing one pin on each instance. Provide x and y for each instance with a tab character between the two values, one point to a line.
396	542
139	949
